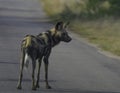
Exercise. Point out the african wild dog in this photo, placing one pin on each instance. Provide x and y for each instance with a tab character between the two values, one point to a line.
38	48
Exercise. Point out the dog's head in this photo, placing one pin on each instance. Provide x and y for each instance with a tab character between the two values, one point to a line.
61	32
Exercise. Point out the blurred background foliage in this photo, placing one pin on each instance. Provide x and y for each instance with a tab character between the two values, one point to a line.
96	20
84	9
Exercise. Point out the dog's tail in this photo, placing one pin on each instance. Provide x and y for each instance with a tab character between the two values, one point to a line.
26	61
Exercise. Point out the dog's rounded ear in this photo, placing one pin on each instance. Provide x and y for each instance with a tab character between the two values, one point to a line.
66	24
59	25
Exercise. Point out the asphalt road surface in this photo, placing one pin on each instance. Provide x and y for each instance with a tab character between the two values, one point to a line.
76	67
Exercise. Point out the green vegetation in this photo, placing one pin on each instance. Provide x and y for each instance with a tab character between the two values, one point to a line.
96	20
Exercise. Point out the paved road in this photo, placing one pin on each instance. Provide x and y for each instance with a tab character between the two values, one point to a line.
74	68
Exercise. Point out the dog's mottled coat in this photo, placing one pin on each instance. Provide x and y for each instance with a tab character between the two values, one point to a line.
39	47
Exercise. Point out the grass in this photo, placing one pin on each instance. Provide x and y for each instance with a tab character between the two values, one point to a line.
105	32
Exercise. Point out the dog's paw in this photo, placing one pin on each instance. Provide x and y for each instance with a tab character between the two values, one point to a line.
19	87
48	87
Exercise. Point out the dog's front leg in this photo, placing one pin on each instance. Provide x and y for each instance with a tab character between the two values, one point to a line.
46	72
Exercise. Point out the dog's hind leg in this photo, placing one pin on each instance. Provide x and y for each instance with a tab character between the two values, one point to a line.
21	70
38	73
33	73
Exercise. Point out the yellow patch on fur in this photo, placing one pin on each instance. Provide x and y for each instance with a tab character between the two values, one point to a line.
44	37
58	33
53	31
28	41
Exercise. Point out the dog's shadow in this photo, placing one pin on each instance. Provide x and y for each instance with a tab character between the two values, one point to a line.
24	80
57	90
